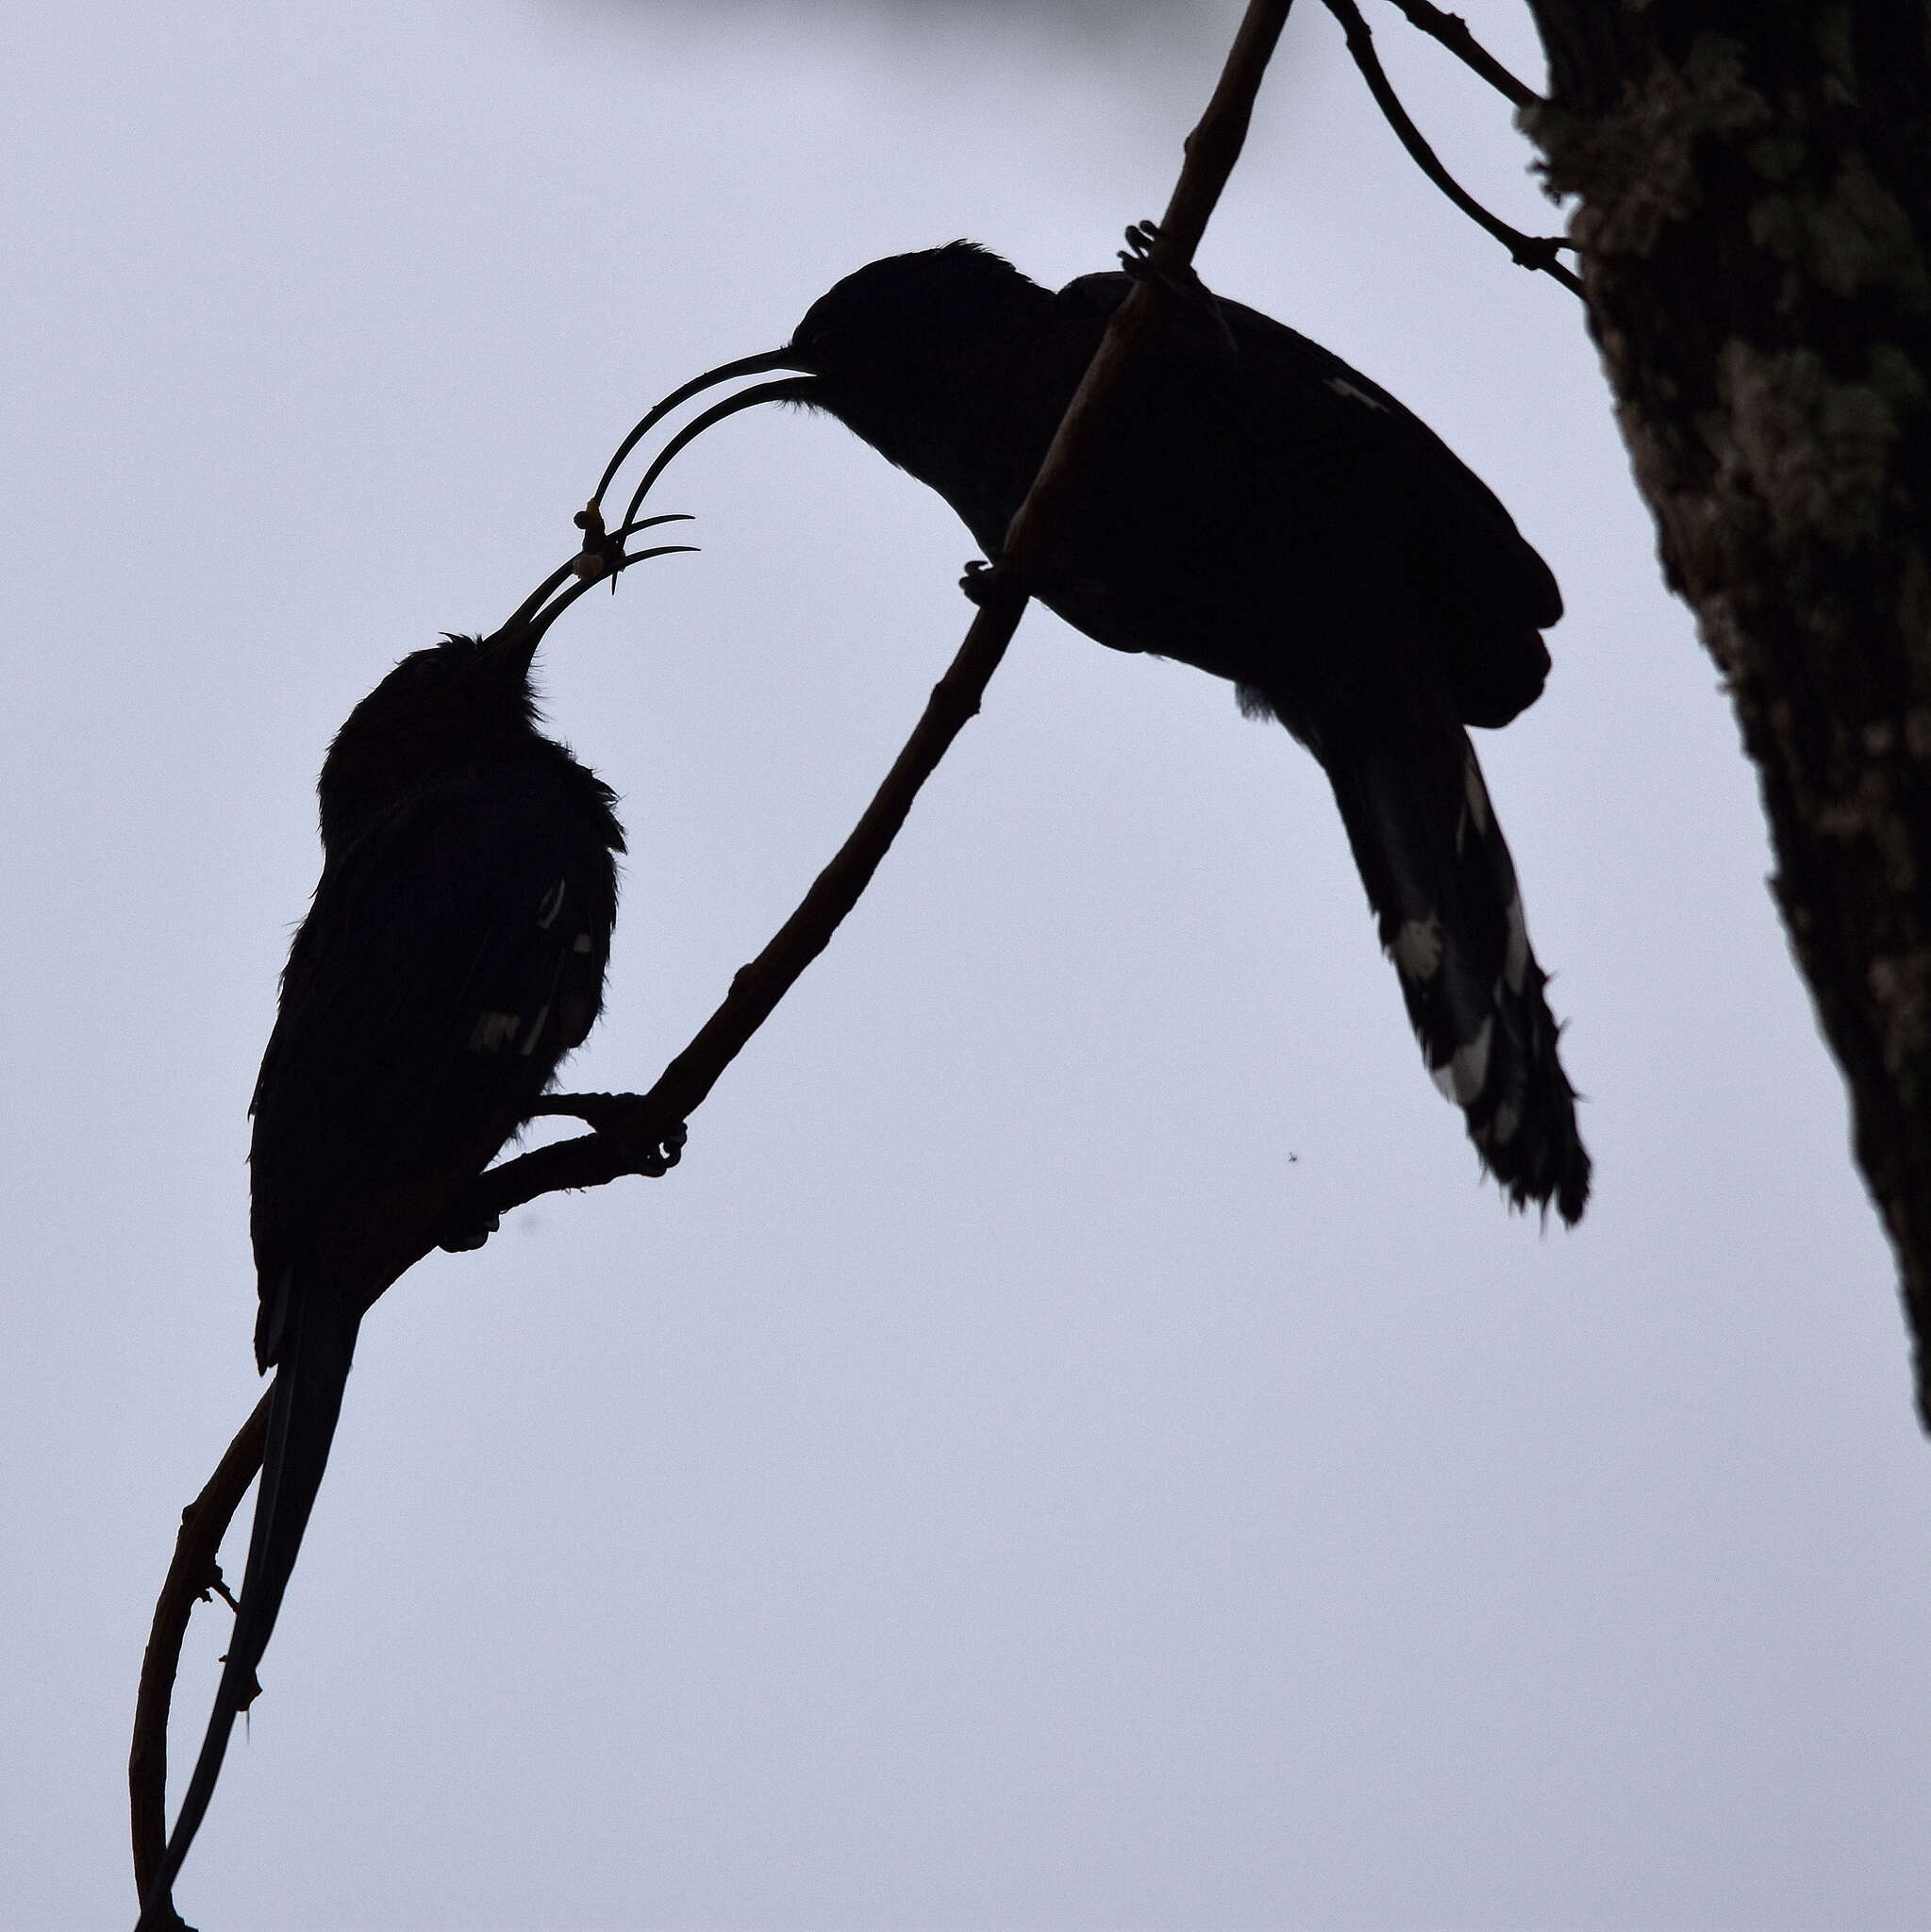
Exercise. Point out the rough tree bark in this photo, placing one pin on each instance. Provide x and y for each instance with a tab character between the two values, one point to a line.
1754	207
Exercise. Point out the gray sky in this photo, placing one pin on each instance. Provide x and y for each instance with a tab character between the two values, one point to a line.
990	1485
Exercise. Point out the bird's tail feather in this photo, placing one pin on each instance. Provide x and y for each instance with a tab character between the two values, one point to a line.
316	1346
1443	890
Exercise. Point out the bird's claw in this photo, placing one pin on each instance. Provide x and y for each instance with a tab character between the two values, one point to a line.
1194	316
625	1117
467	1239
1141	236
666	1151
990	586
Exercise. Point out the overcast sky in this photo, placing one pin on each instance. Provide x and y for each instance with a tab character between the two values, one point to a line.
1074	1447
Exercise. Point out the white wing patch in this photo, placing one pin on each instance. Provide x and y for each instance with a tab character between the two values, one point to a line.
1417	948
581	943
493	1031
1461	1079
536	1032
1342	387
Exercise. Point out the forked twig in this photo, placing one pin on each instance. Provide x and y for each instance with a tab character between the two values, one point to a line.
193	1576
1528	251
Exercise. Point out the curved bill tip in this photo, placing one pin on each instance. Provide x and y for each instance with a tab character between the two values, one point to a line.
539	621
796	389
762	364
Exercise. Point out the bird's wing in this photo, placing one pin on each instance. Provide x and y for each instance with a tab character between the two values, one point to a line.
453	954
1328	397
1471	513
1378	465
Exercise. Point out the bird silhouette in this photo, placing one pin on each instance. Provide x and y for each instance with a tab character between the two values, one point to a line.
453	954
1253	506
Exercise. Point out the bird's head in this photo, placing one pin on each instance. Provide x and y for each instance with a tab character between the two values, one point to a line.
467	702
907	317
460	703
893	341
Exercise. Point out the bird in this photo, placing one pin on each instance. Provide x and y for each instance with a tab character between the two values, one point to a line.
1254	507
454	952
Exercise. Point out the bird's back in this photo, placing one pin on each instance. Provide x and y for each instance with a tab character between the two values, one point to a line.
454	951
1285	511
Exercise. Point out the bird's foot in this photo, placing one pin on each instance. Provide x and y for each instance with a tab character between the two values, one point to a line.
987	585
465	1237
1190	307
1135	257
624	1117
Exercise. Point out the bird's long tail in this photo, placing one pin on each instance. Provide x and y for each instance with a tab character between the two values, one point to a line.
315	1348
1443	888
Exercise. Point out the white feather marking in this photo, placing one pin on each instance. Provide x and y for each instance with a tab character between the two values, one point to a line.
536	1032
581	943
492	1030
1501	1128
1342	387
552	906
1461	1079
1417	948
1515	963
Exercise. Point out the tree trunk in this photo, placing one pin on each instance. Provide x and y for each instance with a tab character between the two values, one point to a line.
1754	185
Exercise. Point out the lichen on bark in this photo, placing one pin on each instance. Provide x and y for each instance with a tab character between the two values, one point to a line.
1752	198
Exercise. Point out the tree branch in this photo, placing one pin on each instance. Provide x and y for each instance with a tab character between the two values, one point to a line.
1752	188
193	1576
1452	31
1526	251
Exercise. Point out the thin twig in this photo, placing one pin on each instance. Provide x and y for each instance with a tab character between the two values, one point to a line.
1452	31
193	1576
593	1159
1528	251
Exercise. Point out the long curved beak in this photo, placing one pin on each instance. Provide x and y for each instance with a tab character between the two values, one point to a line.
796	389
727	371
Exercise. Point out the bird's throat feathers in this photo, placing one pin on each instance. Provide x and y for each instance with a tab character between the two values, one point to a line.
464	706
